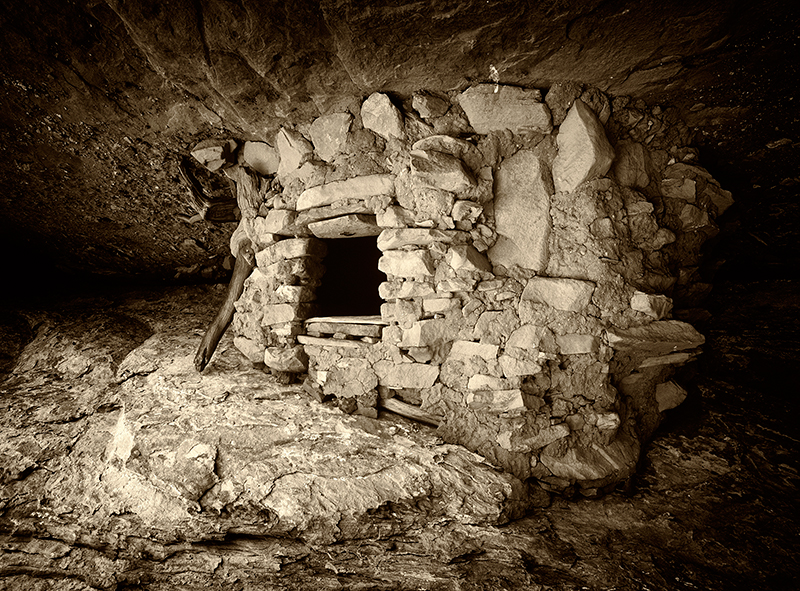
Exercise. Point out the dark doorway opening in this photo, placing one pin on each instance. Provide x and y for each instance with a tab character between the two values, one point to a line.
350	284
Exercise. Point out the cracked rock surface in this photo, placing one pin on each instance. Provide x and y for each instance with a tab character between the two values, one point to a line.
123	468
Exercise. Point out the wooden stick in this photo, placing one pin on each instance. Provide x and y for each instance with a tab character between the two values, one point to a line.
245	262
409	411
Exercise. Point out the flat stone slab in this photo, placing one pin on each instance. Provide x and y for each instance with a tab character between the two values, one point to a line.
360	187
349	226
324	342
355	330
657	338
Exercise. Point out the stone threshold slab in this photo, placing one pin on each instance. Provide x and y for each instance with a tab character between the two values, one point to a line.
323	342
374	319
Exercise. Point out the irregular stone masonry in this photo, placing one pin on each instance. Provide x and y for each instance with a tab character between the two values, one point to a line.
532	263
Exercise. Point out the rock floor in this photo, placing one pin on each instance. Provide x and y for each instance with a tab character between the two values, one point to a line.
93	501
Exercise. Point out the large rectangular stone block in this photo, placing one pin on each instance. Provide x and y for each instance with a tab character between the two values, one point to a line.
406	375
522	212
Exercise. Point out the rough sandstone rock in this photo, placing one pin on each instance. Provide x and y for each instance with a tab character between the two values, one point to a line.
570	295
497	108
361	188
414	263
378	114
288	359
329	134
291	248
522	212
261	157
440	170
294	151
348	226
583	150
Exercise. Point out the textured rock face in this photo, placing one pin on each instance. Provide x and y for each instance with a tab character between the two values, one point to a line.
141	84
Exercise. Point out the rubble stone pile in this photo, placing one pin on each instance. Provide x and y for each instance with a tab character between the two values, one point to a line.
533	248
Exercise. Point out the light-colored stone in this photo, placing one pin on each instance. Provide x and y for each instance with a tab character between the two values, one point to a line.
214	154
361	187
657	338
291	294
291	248
280	313
396	238
440	170
406	375
571	295
438	305
496	108
461	149
671	359
467	349
261	157
455	284
486	382
496	400
347	226
522	212
329	134
576	344
655	306
412	263
378	114
583	150
427	333
294	150
515	367
466	211
289	359
279	221
669	395
256	230
527	336
391	290
395	216
466	257
249	348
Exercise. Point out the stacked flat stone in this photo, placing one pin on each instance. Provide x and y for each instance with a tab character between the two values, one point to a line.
530	270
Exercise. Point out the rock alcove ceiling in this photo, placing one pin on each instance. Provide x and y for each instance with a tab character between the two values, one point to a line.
123	467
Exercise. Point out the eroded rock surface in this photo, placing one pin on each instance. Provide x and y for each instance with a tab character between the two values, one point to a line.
149	475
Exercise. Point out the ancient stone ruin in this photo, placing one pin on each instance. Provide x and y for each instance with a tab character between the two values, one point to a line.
501	263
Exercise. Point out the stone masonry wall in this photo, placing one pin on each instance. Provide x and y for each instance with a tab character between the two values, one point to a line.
532	247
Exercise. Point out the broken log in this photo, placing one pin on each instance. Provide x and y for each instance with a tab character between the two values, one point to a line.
245	262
